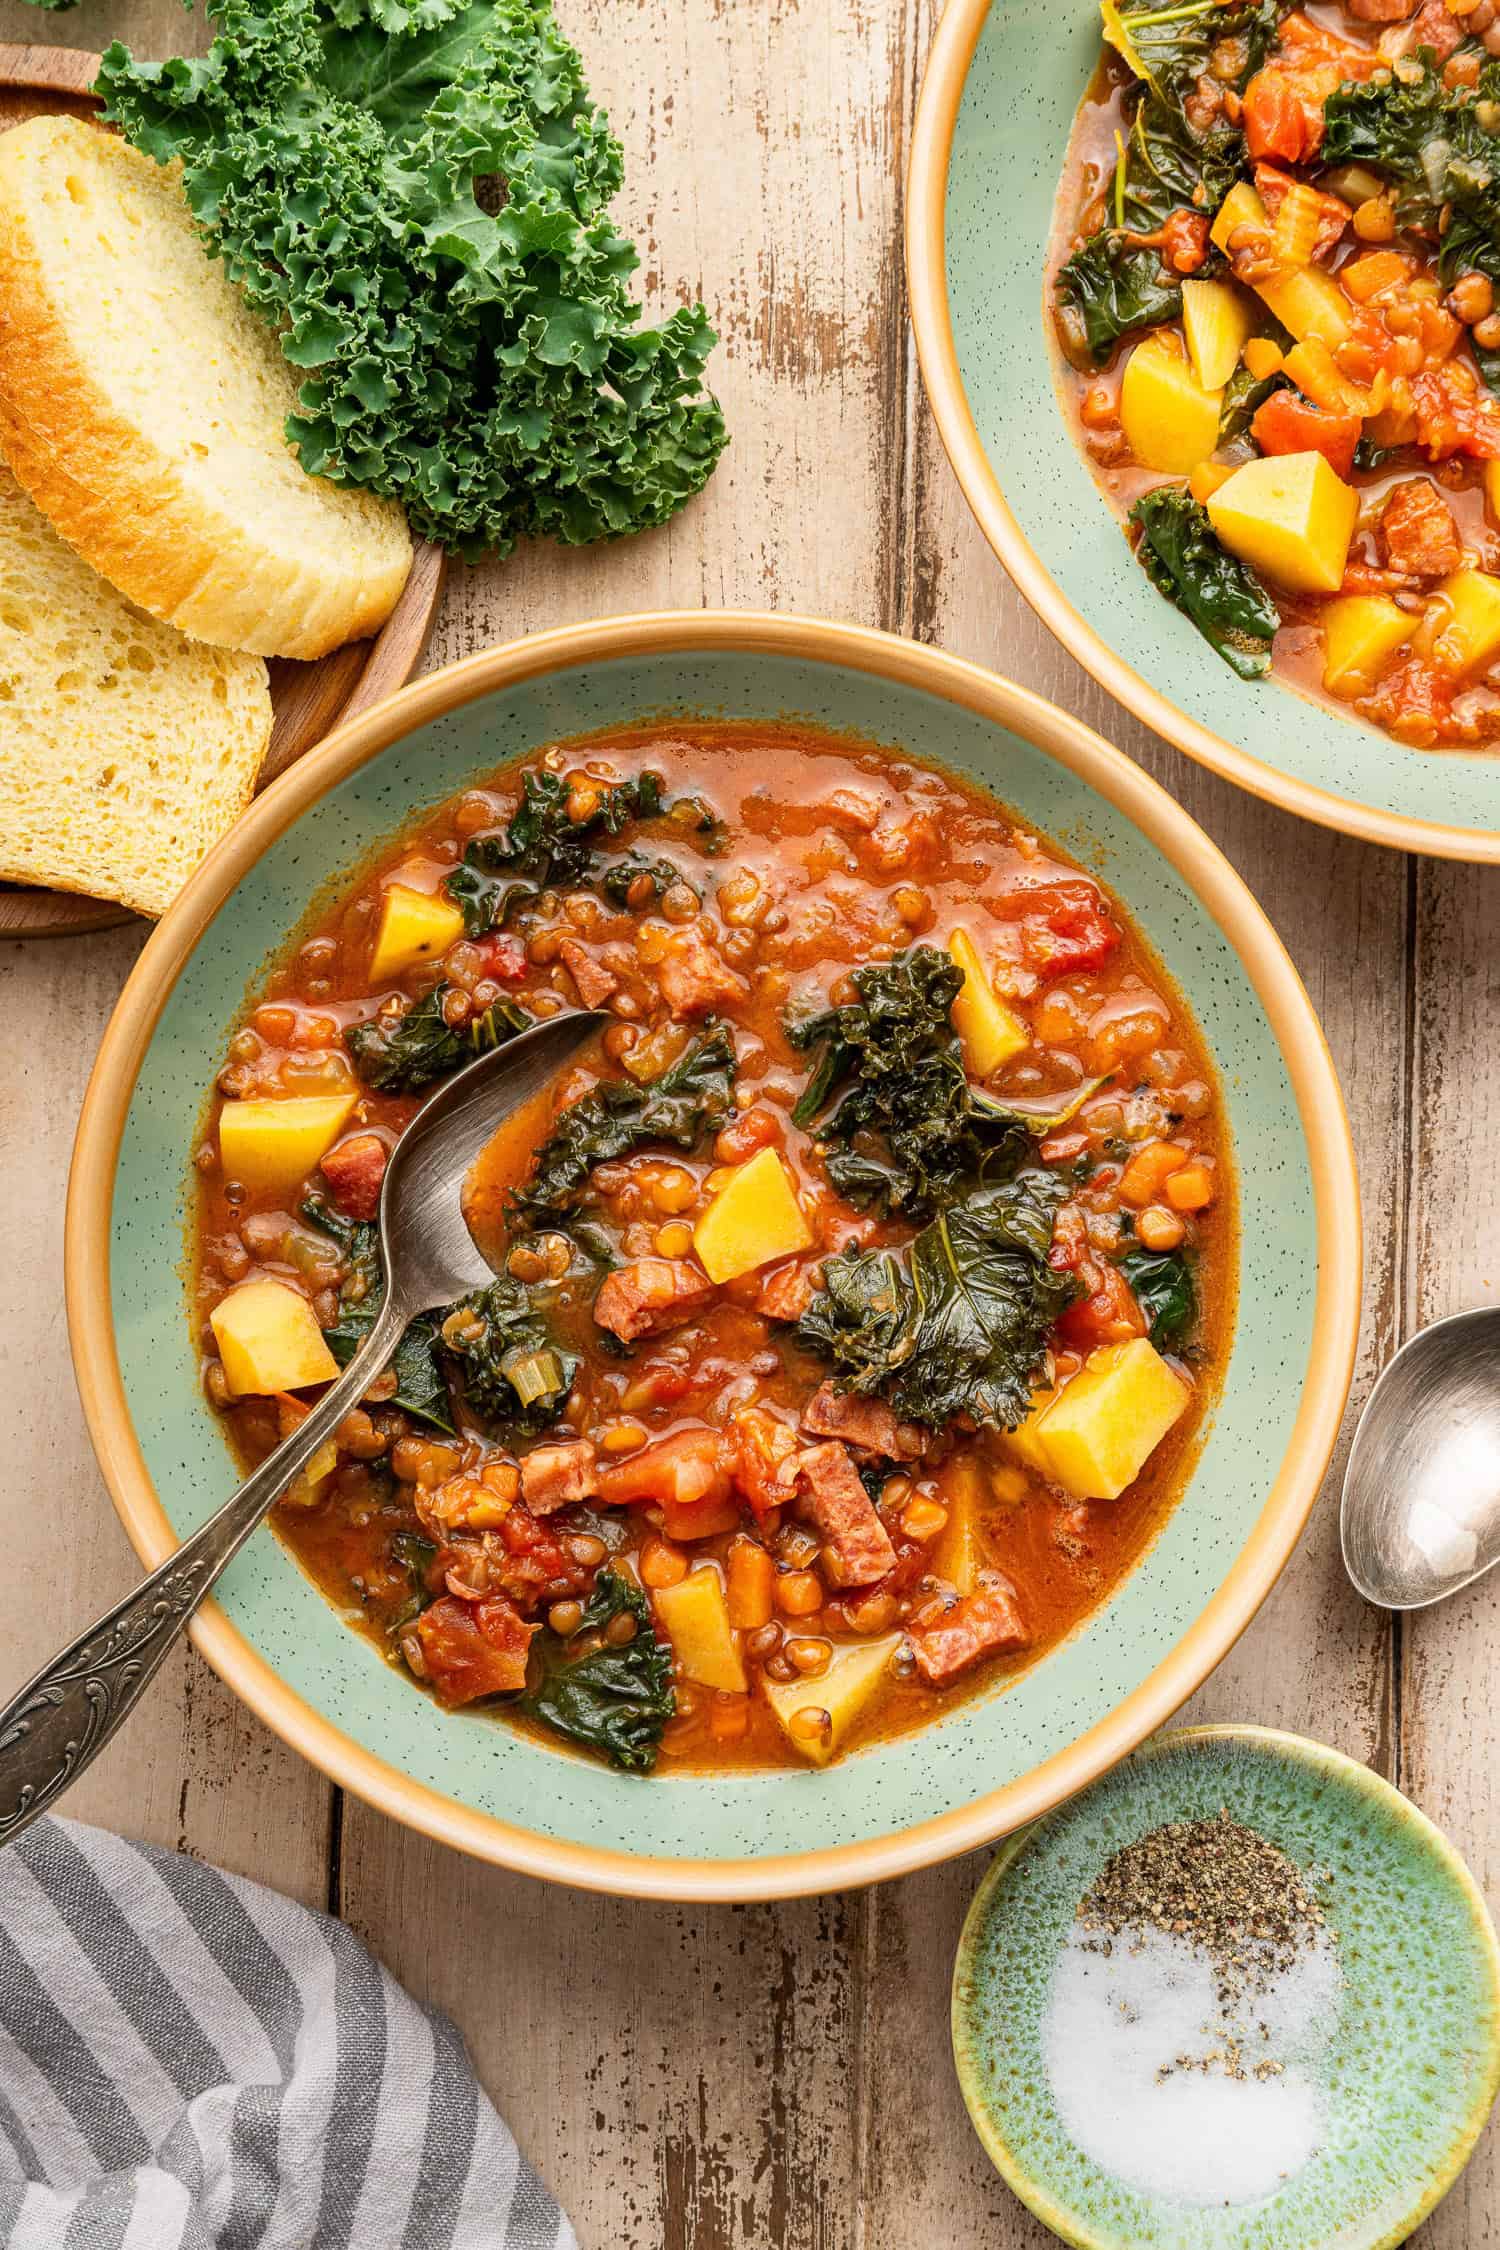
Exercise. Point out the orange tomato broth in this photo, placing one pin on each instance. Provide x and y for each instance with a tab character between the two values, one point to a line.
838	853
1411	697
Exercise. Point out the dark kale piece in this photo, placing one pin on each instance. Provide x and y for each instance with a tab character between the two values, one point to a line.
909	1131
621	876
401	1054
420	1385
693	1097
959	1323
515	1378
543	846
1109	289
415	1555
1164	1290
615	1700
1184	560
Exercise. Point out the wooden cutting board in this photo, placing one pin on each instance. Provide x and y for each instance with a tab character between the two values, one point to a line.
308	700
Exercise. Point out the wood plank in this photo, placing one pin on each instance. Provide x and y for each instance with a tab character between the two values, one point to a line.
193	1769
686	2079
1450	1731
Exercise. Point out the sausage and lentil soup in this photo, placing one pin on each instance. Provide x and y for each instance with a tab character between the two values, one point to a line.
856	1301
1276	289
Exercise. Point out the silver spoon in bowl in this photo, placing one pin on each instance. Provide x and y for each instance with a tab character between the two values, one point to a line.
1421	1506
63	1717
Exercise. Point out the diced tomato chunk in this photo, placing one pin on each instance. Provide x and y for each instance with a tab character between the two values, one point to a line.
1283	114
1454	415
1289	424
762	1457
474	1648
1107	1314
504	958
1067	929
354	1169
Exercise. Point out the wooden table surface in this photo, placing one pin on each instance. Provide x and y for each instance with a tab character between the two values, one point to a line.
779	2076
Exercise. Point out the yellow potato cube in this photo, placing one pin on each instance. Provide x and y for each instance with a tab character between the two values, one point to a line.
1216	320
754	1218
1468	623
1099	1431
269	1341
1360	632
1170	421
414	926
1289	516
988	1031
1025	1443
855	1676
1241	207
275	1144
1492	489
306	1487
696	1616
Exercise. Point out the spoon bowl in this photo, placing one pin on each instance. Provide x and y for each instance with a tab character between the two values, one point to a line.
1421	1505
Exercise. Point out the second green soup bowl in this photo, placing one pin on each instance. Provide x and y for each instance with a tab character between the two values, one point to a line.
1000	1758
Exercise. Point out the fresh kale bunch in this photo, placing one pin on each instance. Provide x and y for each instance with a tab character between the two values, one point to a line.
1185	560
957	1324
401	1054
514	1376
692	1098
420	1384
543	846
415	194
616	1700
910	1131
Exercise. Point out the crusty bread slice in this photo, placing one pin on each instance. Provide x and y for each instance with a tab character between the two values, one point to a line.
126	749
142	406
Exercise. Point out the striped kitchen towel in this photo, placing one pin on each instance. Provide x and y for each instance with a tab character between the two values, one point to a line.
189	2062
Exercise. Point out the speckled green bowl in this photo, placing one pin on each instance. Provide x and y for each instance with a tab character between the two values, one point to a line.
1000	1758
1414	2063
1003	84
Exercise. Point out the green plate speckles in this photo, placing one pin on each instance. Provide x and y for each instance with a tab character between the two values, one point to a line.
1003	84
1414	2061
1000	1758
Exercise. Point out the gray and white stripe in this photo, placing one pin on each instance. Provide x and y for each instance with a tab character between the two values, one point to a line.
190	2062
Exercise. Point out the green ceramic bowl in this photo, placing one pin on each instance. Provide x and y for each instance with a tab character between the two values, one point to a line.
1000	1758
1002	86
1413	2064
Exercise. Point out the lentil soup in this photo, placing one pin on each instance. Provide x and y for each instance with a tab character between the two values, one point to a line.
858	1299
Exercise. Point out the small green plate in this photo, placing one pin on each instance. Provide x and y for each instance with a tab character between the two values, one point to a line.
1413	2061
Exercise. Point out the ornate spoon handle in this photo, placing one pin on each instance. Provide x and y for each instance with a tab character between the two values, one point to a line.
64	1716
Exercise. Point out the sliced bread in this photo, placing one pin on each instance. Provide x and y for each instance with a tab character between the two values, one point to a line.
142	406
126	750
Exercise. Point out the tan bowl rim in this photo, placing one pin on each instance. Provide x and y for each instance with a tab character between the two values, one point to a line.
1320	1106
947	71
1298	1749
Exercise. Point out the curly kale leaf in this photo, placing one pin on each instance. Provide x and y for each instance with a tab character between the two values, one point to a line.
543	846
1435	142
616	1700
401	1054
415	196
1185	561
909	1130
515	1377
959	1323
420	1385
694	1097
622	875
1164	1290
1110	289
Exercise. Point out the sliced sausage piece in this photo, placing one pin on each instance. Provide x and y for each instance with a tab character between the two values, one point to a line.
858	1549
652	1294
555	1476
1417	534
595	983
982	1624
354	1170
787	1293
866	1423
474	1648
694	977
763	1454
690	1465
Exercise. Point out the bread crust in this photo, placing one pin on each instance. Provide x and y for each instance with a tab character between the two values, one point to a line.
116	495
